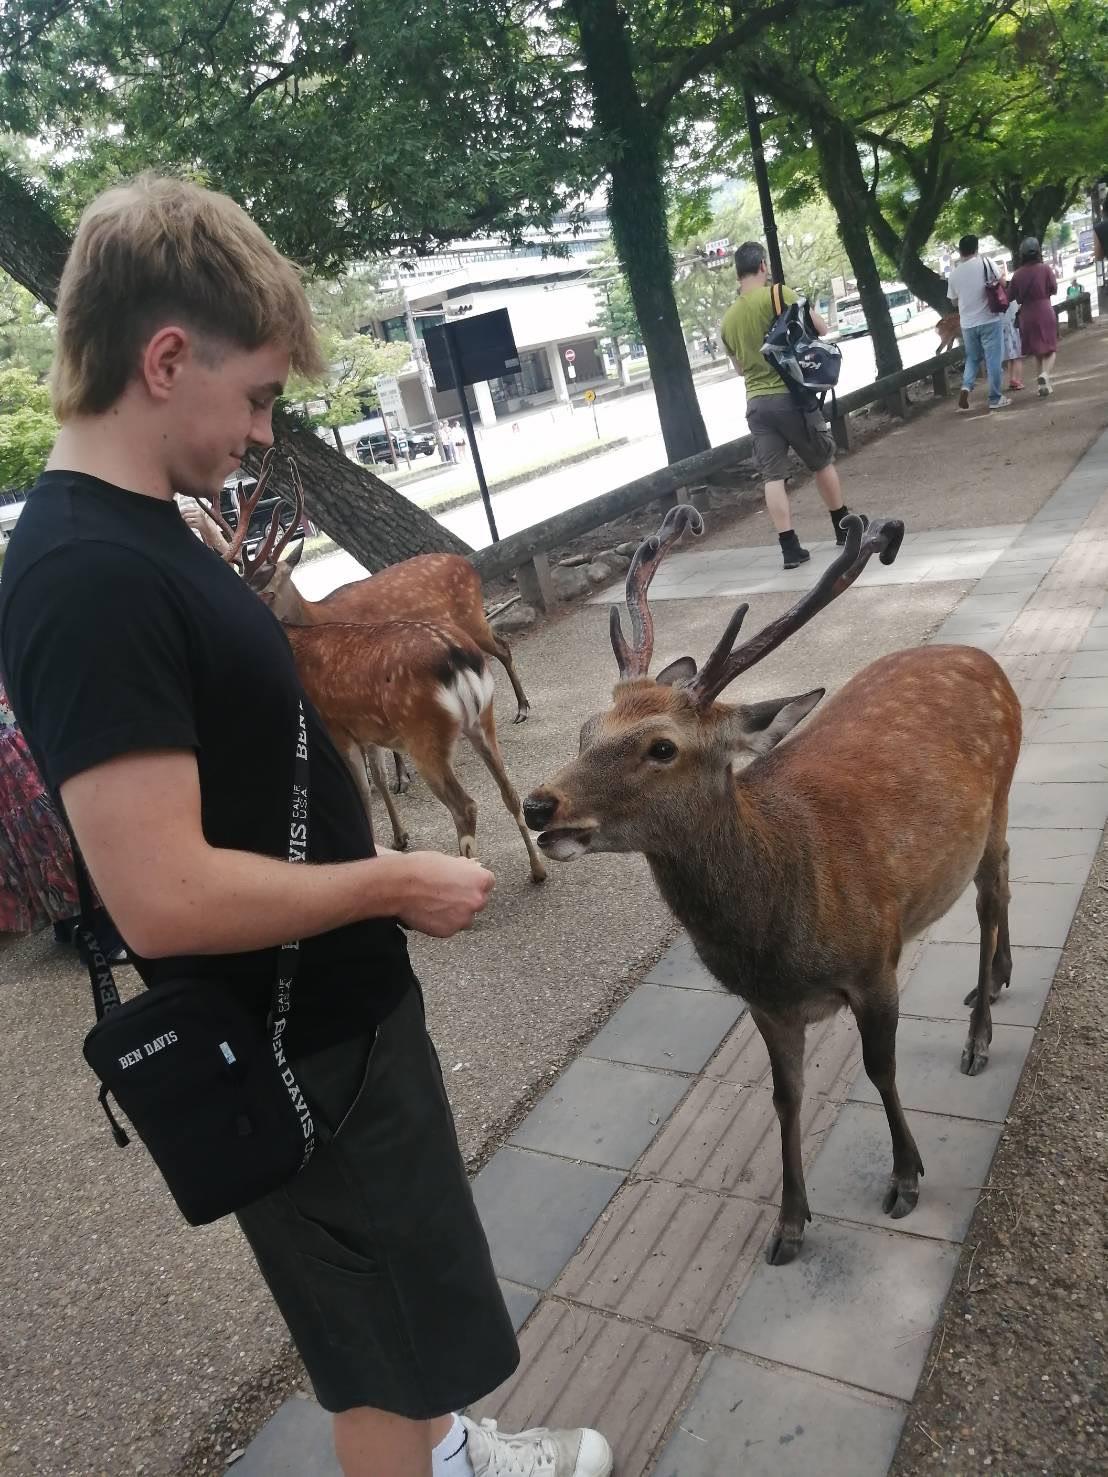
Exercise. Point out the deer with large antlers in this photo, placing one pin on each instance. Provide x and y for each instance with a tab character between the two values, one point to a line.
800	874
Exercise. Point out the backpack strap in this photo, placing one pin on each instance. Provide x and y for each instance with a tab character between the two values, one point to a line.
777	298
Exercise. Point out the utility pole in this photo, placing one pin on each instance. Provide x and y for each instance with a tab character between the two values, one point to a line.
421	368
758	157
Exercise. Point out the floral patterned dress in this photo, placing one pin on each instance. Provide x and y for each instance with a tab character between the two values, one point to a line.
37	883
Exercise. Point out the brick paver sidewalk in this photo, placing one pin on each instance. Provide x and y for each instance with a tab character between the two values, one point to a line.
628	1212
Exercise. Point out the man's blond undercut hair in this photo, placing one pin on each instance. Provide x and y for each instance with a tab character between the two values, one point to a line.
158	251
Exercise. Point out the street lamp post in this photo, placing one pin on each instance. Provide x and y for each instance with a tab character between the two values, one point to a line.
758	158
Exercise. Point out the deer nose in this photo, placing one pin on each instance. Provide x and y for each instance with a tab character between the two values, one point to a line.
538	810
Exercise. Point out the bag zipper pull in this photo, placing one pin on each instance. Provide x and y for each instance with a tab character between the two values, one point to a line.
118	1133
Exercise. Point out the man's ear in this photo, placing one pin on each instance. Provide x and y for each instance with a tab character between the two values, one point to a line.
755	728
682	670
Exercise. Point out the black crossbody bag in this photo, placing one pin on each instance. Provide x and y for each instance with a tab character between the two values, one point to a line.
205	1083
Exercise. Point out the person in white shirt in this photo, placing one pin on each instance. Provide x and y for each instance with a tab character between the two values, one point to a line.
982	329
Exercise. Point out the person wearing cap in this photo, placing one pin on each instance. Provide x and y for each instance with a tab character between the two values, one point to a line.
1033	285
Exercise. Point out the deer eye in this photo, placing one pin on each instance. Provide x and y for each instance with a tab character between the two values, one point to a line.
663	750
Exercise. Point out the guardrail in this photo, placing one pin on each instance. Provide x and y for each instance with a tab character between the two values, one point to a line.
524	554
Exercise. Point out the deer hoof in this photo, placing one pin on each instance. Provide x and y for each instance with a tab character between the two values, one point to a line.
975	1057
784	1247
523	712
538	873
401	840
901	1198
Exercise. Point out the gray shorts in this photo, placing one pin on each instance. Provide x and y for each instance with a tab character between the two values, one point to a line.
374	1253
777	423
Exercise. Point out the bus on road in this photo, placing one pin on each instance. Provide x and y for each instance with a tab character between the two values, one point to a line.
850	319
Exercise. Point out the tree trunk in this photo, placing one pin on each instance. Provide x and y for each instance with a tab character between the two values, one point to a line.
365	516
33	247
846	188
1020	215
914	272
637	210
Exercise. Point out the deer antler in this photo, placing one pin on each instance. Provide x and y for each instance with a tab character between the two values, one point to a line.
245	511
634	658
882	537
254	566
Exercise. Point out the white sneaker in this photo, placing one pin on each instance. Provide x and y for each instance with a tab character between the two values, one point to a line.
536	1453
1002	404
1045	387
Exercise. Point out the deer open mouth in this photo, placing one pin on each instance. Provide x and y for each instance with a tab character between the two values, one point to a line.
563	843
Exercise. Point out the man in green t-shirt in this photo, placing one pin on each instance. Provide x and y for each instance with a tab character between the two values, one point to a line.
776	421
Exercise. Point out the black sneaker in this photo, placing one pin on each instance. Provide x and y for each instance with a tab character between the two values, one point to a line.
792	553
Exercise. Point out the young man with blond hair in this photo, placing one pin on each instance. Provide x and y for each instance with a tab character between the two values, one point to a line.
160	700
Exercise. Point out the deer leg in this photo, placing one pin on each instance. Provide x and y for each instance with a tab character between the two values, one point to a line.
784	1038
1001	968
403	781
877	1014
483	740
372	762
995	959
431	758
501	650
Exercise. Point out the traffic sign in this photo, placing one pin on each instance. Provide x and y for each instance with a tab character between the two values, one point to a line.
590	396
570	356
388	393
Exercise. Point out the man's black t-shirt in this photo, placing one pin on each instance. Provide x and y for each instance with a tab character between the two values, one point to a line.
120	631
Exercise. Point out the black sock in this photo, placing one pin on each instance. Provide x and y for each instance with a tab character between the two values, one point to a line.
838	514
787	538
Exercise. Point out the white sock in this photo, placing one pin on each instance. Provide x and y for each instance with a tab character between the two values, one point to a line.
451	1457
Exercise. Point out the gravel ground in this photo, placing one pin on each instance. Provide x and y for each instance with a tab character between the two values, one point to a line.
1017	1379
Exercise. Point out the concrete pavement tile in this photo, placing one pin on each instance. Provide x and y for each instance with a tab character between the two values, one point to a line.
537	1210
1072	726
294	1442
946	973
520	1301
1040	806
669	1256
1039	914
727	1138
1045	629
1016	583
974	606
857	1305
660	1027
750	1420
1094	639
680	966
1070	764
1088	664
832	1056
1052	855
1082	692
851	1174
581	1368
601	1112
929	1076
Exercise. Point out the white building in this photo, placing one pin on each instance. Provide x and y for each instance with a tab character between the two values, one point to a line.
551	304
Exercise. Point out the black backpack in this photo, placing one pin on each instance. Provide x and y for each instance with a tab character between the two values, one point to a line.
808	366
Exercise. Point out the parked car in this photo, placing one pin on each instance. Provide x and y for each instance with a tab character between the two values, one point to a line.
1085	259
375	447
421	444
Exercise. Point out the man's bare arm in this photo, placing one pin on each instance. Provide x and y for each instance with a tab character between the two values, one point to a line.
819	323
137	822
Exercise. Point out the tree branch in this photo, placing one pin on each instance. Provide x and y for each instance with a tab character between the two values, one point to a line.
703	57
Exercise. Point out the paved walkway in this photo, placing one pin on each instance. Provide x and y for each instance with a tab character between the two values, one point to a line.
628	1212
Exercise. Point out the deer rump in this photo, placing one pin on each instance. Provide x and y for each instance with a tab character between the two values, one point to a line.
414	686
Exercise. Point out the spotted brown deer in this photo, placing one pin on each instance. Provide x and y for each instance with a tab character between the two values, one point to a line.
409	685
444	589
801	875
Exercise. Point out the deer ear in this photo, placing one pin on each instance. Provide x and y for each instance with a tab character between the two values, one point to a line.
682	670
759	727
292	559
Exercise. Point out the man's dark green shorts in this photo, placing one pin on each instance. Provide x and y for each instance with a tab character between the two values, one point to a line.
374	1253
